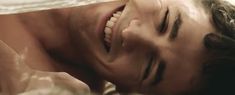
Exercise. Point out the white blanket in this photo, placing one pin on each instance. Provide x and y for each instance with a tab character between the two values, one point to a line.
20	6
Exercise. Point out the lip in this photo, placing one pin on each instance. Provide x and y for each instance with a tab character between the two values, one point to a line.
104	18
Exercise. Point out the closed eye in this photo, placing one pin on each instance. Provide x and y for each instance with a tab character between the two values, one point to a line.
148	69
159	74
164	24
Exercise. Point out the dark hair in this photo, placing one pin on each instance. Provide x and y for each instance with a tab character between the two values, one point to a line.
218	73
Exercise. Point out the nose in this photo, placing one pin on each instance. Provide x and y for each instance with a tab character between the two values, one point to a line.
142	28
137	35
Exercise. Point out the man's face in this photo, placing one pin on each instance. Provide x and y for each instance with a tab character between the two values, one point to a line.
151	46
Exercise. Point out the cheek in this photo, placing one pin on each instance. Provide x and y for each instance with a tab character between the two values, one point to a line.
125	71
128	63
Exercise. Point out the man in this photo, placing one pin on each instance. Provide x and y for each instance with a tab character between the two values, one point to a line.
160	47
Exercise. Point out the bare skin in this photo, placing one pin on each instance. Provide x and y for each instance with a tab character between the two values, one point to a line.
43	39
35	37
156	46
17	77
73	39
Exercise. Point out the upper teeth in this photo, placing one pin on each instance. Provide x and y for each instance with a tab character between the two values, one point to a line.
109	26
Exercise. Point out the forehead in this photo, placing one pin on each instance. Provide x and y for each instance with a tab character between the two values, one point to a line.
191	8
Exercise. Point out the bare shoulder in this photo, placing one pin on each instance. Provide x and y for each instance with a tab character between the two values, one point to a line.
18	31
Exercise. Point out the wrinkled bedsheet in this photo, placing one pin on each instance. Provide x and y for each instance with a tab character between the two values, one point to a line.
20	6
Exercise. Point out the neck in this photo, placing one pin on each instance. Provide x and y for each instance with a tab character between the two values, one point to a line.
51	30
57	30
58	44
59	40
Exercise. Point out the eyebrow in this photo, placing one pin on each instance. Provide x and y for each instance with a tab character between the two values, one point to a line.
175	28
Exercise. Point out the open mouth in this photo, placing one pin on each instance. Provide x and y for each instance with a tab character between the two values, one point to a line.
108	29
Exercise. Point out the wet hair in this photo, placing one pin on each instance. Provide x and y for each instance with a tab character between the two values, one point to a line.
218	73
